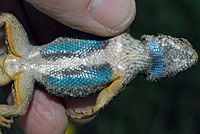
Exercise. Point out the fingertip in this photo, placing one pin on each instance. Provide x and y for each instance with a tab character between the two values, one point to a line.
99	17
114	14
46	114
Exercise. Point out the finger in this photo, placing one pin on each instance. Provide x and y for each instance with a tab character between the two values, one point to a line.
101	17
46	115
80	104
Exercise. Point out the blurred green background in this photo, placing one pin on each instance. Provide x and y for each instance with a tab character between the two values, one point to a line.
168	106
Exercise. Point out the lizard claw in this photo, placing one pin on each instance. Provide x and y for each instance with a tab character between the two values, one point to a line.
85	113
5	122
82	114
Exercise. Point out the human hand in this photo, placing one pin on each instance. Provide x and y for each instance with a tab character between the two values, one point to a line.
46	113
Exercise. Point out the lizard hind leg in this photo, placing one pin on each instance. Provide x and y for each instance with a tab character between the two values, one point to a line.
4	79
16	36
104	97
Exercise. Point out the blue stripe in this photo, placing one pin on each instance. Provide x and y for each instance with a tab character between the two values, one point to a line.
158	66
68	45
85	79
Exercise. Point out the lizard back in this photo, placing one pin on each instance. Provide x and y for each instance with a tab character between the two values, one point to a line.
72	71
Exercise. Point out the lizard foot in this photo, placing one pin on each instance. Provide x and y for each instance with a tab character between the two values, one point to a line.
82	114
5	122
85	113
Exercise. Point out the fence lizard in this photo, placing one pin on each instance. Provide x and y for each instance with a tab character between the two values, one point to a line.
78	67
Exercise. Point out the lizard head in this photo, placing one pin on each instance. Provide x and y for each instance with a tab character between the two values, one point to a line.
169	55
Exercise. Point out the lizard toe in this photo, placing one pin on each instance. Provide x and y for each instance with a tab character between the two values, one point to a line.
5	122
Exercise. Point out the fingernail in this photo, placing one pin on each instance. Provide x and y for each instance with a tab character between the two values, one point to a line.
112	13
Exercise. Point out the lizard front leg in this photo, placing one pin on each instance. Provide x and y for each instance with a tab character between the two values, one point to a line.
22	94
104	97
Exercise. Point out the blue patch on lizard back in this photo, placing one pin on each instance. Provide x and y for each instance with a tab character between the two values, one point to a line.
79	81
74	46
157	54
71	47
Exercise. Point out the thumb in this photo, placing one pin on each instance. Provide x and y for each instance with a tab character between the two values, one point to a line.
100	17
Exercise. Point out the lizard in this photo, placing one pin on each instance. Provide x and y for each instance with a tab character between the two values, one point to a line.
80	66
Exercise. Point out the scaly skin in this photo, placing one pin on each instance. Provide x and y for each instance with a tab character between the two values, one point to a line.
82	65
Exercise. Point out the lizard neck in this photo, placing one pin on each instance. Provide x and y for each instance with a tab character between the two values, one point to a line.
134	57
139	59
